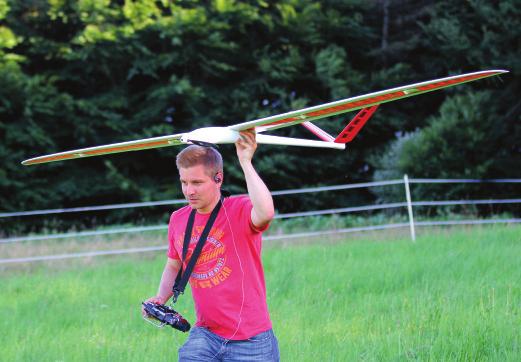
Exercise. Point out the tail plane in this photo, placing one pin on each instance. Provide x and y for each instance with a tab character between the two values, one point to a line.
349	132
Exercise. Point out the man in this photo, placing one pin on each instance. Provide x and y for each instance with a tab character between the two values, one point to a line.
227	282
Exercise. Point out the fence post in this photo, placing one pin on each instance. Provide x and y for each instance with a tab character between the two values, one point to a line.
409	206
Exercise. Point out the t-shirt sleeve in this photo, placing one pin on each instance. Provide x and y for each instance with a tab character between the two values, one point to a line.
172	251
257	229
246	207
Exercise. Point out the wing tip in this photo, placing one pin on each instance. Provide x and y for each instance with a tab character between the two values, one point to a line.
30	161
33	161
496	71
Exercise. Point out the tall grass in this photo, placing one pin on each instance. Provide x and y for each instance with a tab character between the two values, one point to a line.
452	295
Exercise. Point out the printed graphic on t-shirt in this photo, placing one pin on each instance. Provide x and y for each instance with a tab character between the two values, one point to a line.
211	268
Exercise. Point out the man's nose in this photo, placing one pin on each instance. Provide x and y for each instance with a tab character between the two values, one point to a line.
189	190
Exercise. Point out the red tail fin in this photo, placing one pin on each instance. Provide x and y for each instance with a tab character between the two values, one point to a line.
355	125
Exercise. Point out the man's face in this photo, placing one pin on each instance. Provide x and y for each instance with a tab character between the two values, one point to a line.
199	188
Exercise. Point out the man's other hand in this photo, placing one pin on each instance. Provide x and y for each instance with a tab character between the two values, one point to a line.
156	300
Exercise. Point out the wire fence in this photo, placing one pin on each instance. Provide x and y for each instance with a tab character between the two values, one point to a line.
408	204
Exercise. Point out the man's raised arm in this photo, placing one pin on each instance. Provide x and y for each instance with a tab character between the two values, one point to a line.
263	209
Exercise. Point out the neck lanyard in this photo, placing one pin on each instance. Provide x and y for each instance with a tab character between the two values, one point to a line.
183	275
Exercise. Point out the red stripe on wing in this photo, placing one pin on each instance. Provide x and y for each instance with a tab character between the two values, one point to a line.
448	82
341	107
132	147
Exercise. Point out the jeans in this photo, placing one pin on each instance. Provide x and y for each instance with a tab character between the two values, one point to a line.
203	345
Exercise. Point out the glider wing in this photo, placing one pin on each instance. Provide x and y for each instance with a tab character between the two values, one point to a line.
359	102
229	134
143	144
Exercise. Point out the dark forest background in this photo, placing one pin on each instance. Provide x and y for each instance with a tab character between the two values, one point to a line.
82	73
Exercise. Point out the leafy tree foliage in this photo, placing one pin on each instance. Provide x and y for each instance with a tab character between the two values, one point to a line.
86	72
474	134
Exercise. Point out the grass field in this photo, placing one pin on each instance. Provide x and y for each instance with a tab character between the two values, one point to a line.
454	295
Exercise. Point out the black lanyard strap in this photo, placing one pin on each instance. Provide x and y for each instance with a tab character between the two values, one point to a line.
183	275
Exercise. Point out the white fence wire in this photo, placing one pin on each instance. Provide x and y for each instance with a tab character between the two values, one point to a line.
409	204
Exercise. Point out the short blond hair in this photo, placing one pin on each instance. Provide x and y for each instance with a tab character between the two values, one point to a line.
194	155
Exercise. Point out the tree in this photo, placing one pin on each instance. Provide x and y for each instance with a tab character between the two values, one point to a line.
81	73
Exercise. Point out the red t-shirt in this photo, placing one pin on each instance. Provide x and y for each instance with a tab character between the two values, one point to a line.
217	281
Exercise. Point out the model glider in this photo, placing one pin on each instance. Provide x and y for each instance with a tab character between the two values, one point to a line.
220	135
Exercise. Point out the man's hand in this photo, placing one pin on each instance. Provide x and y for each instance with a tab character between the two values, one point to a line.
156	300
164	293
246	145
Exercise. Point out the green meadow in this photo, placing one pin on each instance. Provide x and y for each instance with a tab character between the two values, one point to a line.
453	295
